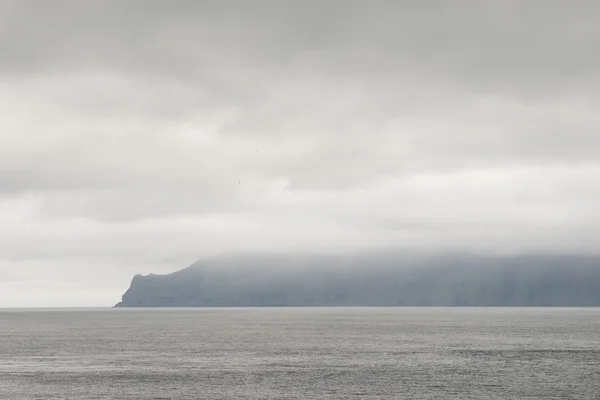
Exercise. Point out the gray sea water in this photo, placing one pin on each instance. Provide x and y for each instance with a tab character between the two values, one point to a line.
300	353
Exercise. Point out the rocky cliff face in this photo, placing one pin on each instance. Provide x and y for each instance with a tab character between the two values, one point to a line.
389	280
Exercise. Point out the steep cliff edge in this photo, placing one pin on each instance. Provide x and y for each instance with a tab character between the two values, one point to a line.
391	280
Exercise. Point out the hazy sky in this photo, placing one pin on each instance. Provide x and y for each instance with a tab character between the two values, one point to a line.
137	136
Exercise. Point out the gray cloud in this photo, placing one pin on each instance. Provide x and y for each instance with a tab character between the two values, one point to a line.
138	132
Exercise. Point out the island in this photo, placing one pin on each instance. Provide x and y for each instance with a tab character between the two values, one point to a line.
388	279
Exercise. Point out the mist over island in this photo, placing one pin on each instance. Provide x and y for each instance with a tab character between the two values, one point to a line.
388	279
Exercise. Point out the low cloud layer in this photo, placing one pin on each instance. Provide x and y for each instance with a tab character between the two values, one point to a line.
136	137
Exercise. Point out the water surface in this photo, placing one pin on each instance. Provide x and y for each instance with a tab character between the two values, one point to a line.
300	353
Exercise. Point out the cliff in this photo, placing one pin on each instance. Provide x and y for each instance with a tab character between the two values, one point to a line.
373	280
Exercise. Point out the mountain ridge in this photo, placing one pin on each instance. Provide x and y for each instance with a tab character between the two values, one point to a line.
373	280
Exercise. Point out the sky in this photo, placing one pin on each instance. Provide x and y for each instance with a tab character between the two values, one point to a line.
140	136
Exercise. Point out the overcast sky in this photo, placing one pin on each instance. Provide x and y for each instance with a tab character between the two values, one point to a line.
138	136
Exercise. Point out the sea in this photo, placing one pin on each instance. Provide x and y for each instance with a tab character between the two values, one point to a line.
300	353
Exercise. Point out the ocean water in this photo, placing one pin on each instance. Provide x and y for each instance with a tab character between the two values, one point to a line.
300	353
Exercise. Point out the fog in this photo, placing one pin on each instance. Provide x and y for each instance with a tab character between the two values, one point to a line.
140	136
